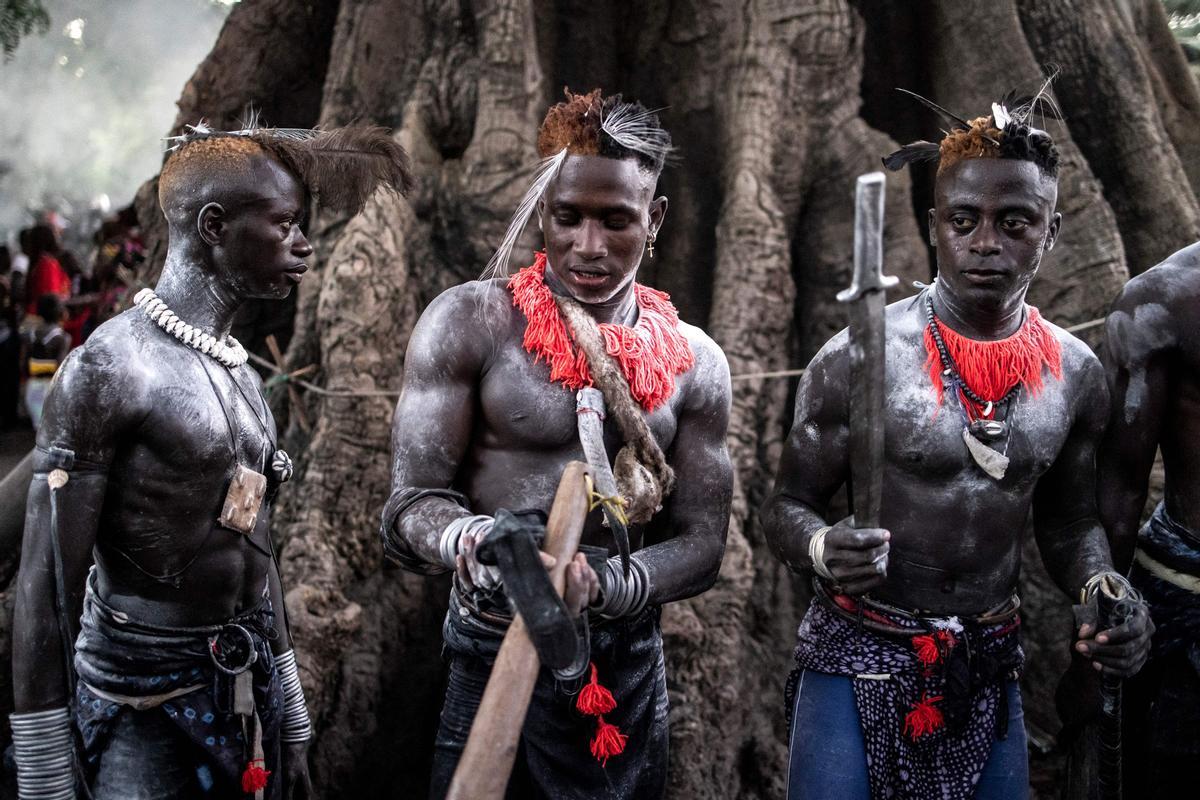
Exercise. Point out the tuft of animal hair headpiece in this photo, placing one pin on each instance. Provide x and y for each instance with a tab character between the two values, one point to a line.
585	125
1007	132
340	167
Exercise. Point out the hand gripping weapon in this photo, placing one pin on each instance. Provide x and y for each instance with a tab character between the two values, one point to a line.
541	632
866	298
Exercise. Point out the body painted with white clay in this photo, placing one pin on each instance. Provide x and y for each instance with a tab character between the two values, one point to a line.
950	535
1152	358
478	414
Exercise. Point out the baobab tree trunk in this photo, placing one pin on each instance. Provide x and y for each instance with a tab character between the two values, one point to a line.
776	107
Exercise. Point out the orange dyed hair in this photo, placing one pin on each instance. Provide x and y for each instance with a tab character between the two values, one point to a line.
982	140
573	124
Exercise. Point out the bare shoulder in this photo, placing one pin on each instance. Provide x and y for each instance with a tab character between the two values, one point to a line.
1081	370
462	326
1163	298
711	364
105	385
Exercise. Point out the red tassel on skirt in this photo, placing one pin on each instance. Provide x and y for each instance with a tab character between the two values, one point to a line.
595	700
255	777
924	718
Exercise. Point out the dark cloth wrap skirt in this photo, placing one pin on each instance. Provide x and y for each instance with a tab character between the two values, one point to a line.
126	658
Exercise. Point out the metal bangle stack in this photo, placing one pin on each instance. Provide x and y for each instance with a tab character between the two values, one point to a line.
623	595
449	541
296	726
44	750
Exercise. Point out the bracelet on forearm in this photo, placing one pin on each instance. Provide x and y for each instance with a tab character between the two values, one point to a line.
44	750
1117	587
296	726
623	595
452	535
816	553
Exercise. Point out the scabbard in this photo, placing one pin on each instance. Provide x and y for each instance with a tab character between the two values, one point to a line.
589	413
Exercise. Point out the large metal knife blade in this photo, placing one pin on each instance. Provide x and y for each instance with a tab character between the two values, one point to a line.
866	298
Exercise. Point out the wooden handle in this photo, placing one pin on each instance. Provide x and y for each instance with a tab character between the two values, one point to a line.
487	761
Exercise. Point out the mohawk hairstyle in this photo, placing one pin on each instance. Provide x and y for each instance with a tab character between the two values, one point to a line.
586	125
593	125
340	167
1005	133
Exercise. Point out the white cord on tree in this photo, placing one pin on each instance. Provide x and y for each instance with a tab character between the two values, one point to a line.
296	726
44	750
816	553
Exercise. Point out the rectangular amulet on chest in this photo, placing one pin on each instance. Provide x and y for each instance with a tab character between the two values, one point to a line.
244	500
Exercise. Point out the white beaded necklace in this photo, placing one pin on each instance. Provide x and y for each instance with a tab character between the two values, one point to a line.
229	352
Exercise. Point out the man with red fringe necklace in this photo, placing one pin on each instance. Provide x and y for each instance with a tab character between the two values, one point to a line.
503	378
908	658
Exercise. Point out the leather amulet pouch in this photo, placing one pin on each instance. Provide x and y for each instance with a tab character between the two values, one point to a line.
244	500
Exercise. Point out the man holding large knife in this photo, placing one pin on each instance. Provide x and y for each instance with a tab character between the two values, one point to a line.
908	657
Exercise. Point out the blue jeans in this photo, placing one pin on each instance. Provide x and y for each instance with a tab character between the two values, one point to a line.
828	758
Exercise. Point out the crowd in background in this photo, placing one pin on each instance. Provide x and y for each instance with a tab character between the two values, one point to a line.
51	300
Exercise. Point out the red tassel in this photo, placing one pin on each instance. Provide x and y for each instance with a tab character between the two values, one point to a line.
608	742
255	777
926	648
924	718
932	647
990	369
595	699
651	353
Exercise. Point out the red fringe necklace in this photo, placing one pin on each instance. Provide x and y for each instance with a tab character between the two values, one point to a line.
991	369
651	353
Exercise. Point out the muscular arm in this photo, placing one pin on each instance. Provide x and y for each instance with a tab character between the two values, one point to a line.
698	510
1069	535
88	409
1137	343
815	459
434	416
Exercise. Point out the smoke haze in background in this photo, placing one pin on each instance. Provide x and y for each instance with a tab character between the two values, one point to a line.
84	107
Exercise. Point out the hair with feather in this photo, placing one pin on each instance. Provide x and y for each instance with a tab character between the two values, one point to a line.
637	129
1006	132
587	125
340	167
547	171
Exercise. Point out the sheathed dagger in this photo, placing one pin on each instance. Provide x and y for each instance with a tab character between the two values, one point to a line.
866	300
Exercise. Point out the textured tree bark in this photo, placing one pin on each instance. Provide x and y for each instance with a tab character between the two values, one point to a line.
776	106
1106	90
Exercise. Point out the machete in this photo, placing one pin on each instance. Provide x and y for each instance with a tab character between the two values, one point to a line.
866	299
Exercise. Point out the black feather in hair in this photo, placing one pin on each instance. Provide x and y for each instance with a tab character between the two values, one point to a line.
913	153
343	166
957	121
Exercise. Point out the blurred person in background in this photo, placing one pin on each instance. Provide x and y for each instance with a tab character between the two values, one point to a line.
46	273
47	345
10	344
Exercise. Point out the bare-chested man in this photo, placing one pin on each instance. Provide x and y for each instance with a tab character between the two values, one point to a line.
157	454
487	420
1152	357
908	656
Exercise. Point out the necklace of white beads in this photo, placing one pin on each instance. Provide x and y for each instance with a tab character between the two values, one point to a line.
229	352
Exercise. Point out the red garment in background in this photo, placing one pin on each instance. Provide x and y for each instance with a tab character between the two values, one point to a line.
46	277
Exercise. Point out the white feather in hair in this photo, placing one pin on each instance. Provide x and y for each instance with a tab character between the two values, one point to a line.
638	131
547	171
